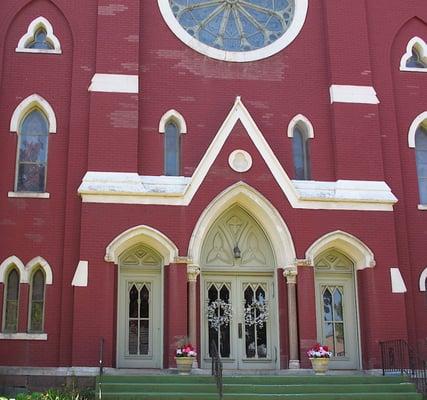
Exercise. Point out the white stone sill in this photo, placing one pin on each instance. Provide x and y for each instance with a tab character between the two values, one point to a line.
38	51
407	69
23	336
28	195
422	207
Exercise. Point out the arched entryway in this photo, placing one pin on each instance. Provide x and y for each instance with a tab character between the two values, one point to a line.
239	300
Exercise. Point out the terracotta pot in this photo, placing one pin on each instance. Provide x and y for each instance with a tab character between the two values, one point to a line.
184	365
320	365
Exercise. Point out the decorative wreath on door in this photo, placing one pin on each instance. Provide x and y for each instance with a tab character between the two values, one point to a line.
256	313
219	313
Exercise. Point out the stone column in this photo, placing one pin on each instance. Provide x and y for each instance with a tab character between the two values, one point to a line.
193	272
290	274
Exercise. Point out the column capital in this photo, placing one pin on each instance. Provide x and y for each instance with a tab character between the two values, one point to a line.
182	260
290	273
193	272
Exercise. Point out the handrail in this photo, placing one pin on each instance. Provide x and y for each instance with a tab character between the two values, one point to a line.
101	367
397	357
217	368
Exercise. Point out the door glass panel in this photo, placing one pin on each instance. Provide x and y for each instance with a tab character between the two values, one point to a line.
333	319
139	318
255	318
219	326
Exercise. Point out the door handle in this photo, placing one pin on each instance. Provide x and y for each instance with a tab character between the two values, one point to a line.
240	330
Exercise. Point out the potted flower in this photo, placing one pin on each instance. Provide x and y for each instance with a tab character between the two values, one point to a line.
184	357
319	356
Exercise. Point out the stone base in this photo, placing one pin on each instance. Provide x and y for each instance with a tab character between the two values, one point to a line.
294	364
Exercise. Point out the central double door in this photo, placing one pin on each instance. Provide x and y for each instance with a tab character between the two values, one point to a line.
240	318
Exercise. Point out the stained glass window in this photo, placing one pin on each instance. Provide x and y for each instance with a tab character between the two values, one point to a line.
300	149
37	302
234	25
415	61
421	157
10	324
172	149
32	153
40	41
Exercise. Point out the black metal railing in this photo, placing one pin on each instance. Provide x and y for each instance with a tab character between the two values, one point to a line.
398	357
217	368
101	367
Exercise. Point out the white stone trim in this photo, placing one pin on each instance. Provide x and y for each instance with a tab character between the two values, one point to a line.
33	101
23	336
301	7
422	207
353	94
130	188
4	269
28	195
420	119
421	46
29	36
353	247
259	207
80	278
174	116
302	122
397	282
114	83
141	234
43	264
423	278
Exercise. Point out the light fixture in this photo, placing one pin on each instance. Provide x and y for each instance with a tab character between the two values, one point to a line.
236	252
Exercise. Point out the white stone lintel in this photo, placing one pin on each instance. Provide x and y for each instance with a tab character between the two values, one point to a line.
23	336
353	94
114	83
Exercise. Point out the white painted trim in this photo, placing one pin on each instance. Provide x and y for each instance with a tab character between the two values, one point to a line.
174	116
42	263
420	119
6	264
300	13
130	188
23	336
353	94
80	277
422	207
114	83
141	234
303	123
33	101
361	255
260	208
423	278
28	195
397	282
39	22
421	46
240	160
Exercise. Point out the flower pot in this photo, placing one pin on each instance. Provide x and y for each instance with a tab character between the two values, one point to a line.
320	365
184	365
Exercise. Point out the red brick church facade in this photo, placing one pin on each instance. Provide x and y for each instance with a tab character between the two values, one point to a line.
114	230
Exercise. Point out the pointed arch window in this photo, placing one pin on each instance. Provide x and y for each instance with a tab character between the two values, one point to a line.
415	57
172	149
11	303
301	153
33	137
40	41
421	160
36	309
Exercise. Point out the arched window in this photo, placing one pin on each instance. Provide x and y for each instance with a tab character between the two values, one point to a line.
40	41
36	308
421	159
415	57
301	154
172	142
11	303
33	136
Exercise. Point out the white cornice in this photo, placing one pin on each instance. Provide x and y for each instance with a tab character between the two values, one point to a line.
130	188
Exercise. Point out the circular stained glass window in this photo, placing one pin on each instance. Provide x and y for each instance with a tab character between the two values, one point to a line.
235	30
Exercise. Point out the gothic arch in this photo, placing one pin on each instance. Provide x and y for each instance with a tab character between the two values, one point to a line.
421	119
6	264
423	280
349	245
145	235
256	204
302	122
37	262
175	116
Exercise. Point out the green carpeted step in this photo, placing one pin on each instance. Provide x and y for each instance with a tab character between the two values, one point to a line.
153	387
